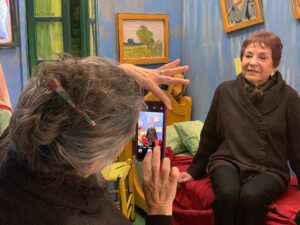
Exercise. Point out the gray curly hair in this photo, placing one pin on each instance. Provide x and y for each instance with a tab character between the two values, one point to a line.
52	137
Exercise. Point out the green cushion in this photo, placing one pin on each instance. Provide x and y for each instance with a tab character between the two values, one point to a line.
4	119
189	133
174	141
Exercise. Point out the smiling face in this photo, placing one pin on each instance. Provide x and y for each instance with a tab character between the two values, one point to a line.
257	64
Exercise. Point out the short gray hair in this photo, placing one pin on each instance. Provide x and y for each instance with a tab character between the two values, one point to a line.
52	137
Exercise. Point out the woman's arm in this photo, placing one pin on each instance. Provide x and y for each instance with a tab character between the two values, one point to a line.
293	141
209	141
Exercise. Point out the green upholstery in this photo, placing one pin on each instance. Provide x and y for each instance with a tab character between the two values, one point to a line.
189	133
173	140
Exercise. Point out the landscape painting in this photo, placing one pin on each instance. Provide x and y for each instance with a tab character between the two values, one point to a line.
142	38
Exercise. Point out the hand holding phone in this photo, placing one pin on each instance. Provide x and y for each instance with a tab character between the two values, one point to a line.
151	129
159	183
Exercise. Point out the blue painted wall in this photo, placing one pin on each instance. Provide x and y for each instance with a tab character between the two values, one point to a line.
14	60
196	36
210	52
107	24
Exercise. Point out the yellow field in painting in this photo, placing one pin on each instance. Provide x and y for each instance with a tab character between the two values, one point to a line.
138	52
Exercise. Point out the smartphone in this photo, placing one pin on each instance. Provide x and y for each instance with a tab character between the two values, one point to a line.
151	129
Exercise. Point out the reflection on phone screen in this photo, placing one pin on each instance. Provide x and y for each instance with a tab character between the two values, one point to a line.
150	132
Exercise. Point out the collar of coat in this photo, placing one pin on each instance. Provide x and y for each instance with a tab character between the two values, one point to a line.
270	100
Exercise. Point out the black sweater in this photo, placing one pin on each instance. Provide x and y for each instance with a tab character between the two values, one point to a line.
28	199
254	139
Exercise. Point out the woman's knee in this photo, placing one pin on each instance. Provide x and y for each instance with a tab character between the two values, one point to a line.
226	183
250	198
229	193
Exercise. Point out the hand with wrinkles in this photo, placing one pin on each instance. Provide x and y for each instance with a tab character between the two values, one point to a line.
150	79
159	183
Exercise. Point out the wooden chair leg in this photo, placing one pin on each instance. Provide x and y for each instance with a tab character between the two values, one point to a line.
122	189
131	192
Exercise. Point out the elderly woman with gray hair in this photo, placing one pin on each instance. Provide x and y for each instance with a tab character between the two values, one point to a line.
250	134
73	118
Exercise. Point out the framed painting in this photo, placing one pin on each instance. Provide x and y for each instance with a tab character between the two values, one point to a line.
142	38
8	23
296	8
237	14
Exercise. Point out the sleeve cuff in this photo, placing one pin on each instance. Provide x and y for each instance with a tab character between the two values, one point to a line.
196	172
159	220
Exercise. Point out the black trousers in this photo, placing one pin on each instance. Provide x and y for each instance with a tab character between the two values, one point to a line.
242	204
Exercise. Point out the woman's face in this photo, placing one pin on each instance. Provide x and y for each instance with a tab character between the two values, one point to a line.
257	64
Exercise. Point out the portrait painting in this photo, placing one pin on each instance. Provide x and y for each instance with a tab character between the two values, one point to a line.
7	23
142	38
296	8
237	14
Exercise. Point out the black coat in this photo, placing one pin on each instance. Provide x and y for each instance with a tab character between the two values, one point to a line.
27	198
254	139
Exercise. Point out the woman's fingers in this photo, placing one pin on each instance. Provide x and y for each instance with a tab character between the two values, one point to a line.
184	177
165	170
152	78
170	65
160	188
159	93
156	164
174	176
172	80
173	71
147	166
183	180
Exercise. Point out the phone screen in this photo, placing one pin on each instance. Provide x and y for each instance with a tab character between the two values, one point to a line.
151	129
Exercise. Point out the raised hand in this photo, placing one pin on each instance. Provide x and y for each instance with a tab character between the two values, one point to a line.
150	79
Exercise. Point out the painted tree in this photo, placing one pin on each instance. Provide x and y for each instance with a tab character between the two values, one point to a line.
145	36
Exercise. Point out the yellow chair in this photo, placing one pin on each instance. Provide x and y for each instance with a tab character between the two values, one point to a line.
237	65
121	175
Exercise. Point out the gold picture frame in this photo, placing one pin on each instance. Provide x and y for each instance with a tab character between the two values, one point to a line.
237	14
296	8
142	38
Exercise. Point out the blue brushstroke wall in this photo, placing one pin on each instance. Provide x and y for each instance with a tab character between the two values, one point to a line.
196	36
14	61
210	52
107	24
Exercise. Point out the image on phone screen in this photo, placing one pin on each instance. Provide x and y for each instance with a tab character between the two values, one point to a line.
150	129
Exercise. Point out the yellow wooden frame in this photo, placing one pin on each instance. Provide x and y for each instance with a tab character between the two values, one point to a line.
232	27
121	17
296	9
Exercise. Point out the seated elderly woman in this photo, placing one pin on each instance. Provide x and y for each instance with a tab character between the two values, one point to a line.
73	118
251	131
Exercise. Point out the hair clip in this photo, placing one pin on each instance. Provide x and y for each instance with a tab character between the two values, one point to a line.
56	86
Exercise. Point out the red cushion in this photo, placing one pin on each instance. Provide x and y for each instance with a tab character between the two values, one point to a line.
193	201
